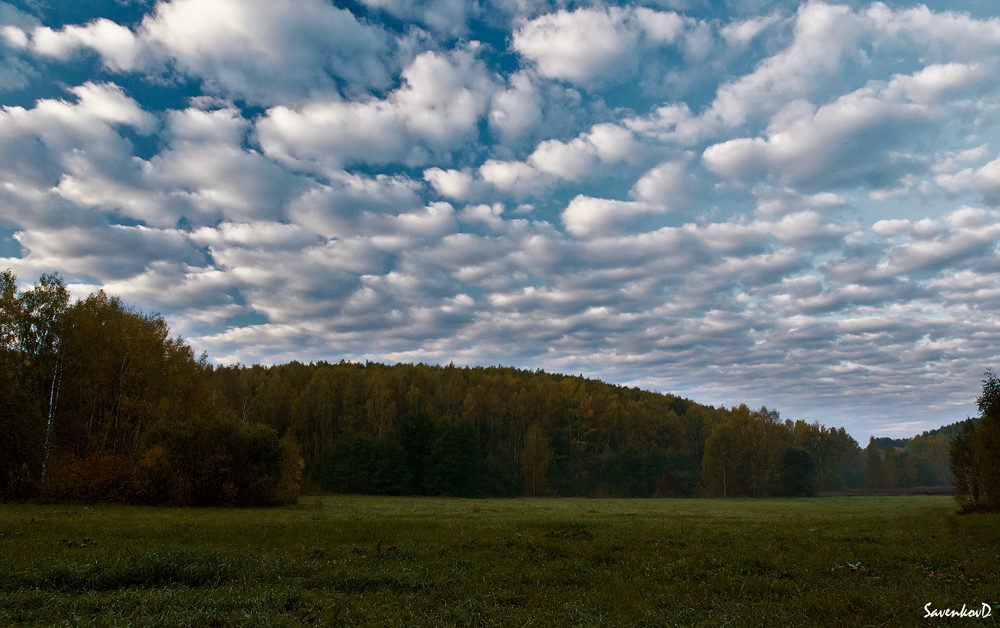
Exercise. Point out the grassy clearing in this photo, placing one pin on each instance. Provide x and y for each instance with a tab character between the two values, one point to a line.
368	561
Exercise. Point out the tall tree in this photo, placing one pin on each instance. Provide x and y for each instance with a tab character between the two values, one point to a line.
890	467
975	452
966	470
40	323
874	473
721	464
535	459
989	439
797	473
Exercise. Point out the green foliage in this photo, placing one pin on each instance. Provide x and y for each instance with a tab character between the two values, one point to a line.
455	463
975	452
218	459
875	476
797	473
603	439
416	435
20	438
678	473
740	454
965	467
364	465
92	479
535	458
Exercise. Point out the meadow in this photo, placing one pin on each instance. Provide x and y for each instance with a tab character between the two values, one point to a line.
383	561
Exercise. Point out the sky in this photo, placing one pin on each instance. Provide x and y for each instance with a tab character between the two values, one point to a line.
774	203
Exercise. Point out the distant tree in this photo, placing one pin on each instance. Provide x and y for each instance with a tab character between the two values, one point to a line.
416	436
535	458
906	470
874	473
740	454
890	467
678	473
721	471
455	461
797	473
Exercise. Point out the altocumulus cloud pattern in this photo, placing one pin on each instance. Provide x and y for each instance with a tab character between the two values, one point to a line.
791	204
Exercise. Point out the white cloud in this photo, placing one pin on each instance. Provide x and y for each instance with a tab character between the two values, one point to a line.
554	160
449	17
943	34
672	123
670	185
261	51
935	84
775	201
585	216
594	45
939	253
579	46
512	176
823	35
517	110
57	138
457	184
118	46
107	102
660	25
112	251
985	180
353	205
436	110
853	141
740	33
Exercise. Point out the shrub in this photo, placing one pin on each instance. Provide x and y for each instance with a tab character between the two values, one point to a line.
216	460
90	480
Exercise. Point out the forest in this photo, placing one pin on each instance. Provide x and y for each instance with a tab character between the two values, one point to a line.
99	403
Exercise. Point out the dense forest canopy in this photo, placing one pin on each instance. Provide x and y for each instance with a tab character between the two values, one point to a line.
98	402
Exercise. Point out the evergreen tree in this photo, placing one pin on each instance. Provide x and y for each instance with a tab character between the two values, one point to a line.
416	436
797	473
874	472
455	464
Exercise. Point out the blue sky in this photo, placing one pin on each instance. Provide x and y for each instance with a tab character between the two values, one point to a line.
780	203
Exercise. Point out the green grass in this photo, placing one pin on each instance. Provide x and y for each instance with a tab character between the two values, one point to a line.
861	561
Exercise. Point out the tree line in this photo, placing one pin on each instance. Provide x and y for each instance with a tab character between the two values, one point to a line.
499	431
98	402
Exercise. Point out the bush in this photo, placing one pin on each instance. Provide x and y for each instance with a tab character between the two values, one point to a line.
90	480
217	460
154	480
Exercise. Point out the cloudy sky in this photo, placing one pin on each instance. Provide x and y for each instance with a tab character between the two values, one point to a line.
780	203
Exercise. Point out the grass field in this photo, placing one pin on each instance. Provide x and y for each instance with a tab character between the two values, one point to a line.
375	561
